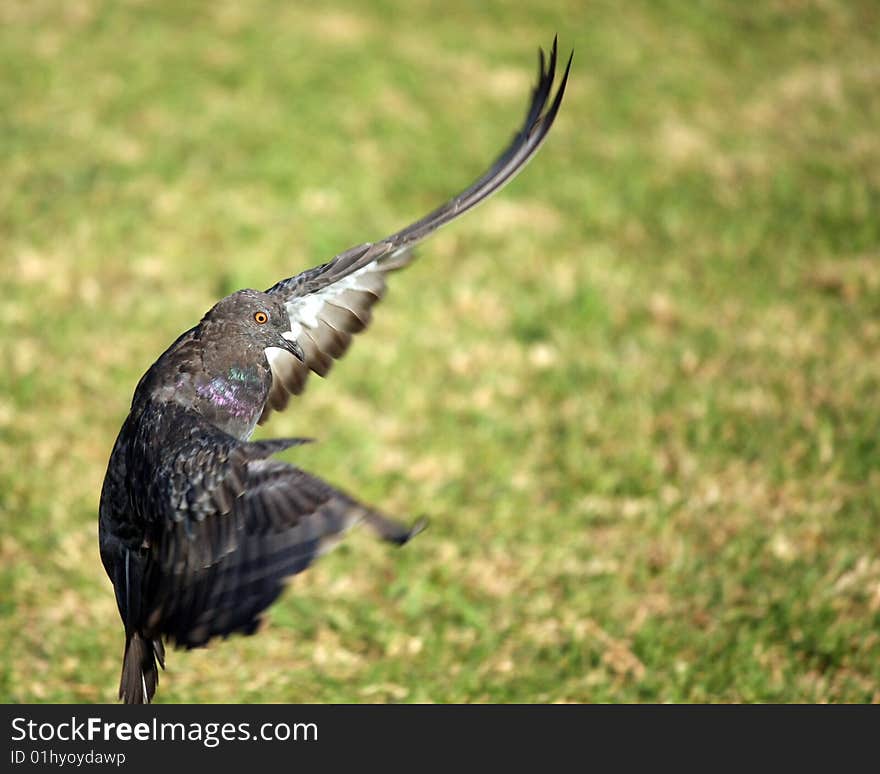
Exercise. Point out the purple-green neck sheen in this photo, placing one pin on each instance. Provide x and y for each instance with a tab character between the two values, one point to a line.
233	401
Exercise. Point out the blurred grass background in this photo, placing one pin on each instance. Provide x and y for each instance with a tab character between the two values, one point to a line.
636	394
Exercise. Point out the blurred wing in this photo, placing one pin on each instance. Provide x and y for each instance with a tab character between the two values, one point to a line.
242	525
330	303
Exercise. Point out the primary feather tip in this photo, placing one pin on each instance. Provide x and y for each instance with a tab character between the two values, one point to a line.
420	526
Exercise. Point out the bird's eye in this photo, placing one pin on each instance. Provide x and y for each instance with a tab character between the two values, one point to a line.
261	318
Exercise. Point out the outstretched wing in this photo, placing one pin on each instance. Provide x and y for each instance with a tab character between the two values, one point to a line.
330	303
237	525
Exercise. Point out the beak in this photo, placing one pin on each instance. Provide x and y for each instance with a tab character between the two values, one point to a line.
291	346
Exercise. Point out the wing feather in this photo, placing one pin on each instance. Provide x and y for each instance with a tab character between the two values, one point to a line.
327	305
247	523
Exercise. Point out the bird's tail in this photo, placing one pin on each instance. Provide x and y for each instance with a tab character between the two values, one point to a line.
140	672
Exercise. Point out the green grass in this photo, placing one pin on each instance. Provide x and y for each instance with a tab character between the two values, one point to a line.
636	394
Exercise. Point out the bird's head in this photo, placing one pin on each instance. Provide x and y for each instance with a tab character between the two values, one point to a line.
255	320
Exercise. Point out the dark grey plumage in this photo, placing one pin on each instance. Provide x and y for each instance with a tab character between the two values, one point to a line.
198	526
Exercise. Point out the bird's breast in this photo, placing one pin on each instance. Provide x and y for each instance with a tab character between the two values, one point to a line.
232	400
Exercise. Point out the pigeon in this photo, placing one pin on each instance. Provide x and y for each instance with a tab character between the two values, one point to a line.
200	527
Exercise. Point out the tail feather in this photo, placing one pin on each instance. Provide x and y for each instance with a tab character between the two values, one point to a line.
140	674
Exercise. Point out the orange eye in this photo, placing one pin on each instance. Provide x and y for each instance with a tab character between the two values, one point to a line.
261	318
